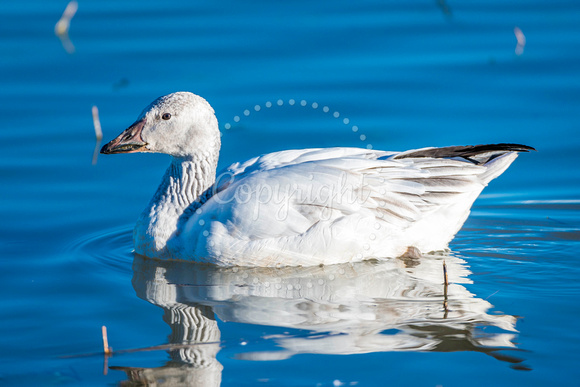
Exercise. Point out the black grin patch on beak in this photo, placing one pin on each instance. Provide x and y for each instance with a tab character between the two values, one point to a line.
129	141
125	148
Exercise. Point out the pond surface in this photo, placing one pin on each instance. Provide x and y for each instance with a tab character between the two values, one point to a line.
392	75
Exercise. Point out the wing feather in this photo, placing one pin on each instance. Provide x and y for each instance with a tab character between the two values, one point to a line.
322	200
332	183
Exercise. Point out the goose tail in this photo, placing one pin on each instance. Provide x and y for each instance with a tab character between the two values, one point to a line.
495	157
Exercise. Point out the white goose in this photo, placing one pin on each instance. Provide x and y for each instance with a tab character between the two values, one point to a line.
298	207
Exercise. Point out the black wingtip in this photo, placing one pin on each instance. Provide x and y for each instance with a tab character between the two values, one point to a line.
467	152
504	147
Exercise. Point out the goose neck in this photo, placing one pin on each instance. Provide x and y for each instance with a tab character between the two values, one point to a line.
186	180
179	194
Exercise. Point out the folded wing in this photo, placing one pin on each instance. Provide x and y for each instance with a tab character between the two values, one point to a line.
308	204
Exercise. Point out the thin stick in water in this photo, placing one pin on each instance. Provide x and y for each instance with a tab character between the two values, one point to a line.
445	285
521	38
98	133
108	350
97	123
62	26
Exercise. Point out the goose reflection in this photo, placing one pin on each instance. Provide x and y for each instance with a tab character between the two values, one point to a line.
371	306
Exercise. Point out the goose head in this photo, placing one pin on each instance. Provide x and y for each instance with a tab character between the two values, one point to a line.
180	124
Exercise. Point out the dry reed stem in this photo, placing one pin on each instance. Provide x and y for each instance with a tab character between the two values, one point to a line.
445	285
62	26
108	350
98	133
97	123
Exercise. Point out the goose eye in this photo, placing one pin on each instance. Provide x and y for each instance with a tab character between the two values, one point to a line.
166	116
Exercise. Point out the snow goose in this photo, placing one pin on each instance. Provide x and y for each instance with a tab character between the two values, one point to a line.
298	207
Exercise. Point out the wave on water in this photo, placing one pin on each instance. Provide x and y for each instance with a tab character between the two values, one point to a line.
109	249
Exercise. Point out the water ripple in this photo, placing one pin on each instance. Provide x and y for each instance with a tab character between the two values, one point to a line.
109	249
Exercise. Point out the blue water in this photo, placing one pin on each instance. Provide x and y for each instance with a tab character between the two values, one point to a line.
394	75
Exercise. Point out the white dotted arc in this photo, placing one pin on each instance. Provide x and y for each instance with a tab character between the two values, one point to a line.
302	103
336	115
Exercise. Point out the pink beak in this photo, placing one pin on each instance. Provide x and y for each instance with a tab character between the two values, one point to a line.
129	141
